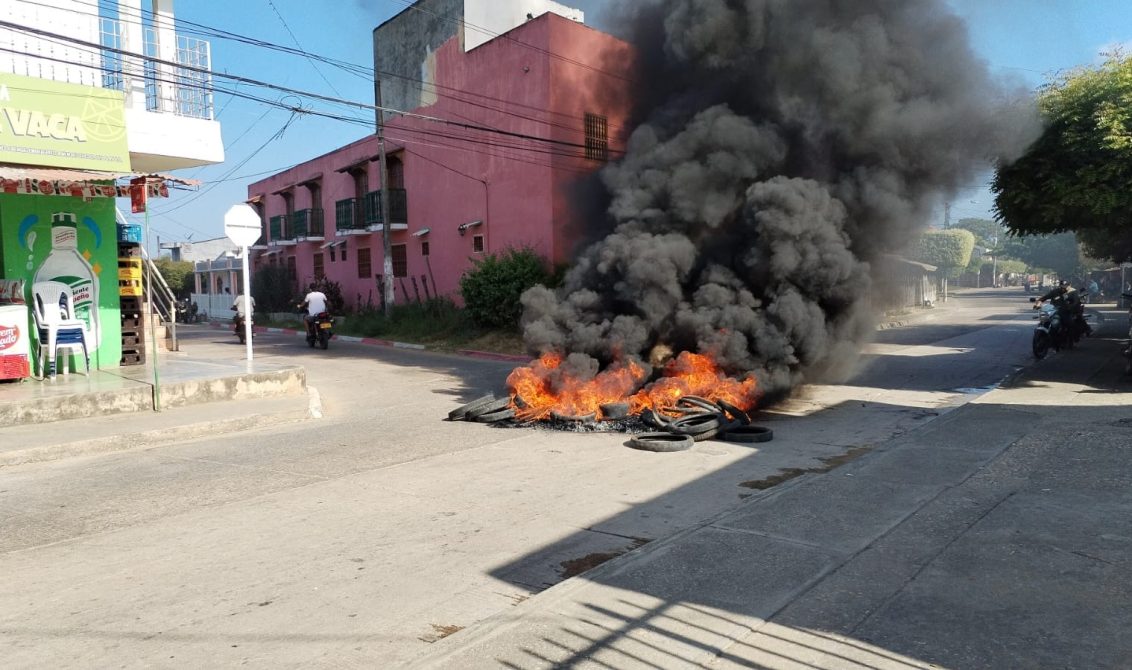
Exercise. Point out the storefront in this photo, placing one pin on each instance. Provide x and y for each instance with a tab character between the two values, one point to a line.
63	153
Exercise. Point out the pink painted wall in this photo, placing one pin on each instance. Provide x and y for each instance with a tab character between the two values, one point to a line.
518	188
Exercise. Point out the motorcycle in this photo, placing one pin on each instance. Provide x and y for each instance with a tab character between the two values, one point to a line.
241	332
1128	345
320	328
1050	332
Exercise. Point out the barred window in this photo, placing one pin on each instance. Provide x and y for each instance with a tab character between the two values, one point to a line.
364	267
400	260
319	272
597	138
477	244
424	248
292	273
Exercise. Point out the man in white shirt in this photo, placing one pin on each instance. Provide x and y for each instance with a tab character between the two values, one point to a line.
315	302
238	305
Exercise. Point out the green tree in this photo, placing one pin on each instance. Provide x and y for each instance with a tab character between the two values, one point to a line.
177	274
1076	176
492	287
949	250
987	233
1059	254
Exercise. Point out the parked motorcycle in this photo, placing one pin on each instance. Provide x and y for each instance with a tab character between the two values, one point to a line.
320	329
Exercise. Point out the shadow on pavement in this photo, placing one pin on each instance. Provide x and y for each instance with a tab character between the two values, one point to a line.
999	535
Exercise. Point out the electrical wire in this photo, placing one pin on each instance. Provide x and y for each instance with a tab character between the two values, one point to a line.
358	70
284	89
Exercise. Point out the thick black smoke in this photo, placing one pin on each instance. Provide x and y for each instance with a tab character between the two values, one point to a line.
785	147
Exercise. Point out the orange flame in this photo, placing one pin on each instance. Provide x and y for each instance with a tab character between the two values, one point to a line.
544	387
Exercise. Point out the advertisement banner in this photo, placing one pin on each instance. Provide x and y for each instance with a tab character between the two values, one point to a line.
72	241
45	122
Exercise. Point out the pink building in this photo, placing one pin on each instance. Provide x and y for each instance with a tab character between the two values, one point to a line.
513	124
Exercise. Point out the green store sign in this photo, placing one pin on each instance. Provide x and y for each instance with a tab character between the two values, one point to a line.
45	122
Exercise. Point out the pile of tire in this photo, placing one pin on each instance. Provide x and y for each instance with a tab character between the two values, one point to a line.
694	419
487	409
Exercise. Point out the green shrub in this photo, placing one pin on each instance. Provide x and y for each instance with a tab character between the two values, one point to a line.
335	303
949	250
273	289
491	289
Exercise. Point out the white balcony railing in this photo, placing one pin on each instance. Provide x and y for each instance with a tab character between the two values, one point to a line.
184	89
62	44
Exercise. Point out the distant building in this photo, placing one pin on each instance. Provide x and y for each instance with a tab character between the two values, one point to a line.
533	104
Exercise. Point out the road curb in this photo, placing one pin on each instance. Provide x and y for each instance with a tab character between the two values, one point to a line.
377	342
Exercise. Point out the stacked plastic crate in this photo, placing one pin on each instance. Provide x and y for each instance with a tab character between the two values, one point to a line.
130	296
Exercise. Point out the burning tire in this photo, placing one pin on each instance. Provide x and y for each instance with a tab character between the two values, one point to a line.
700	427
694	424
461	412
661	442
614	410
696	402
747	434
655	419
495	417
495	405
734	412
572	418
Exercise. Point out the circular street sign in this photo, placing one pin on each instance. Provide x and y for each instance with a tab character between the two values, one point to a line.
242	225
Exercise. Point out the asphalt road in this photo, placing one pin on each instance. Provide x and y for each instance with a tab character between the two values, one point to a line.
361	538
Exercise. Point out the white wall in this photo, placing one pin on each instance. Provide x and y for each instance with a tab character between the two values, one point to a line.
73	18
161	142
484	20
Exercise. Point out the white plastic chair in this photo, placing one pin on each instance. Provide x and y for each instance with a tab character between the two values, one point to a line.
57	327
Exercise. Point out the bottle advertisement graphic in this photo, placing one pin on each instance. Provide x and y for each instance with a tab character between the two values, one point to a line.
65	264
72	241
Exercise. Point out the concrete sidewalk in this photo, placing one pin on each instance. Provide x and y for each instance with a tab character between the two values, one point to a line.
999	535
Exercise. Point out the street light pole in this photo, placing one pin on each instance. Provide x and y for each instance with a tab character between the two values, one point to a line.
386	228
994	262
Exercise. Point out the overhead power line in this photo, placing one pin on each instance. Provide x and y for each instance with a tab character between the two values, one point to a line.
351	68
285	89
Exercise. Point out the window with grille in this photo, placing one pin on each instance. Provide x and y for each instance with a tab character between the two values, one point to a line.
344	250
477	244
424	248
331	248
364	267
597	138
319	272
400	260
292	273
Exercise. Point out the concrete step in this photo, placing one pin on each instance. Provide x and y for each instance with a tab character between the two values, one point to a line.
36	443
179	382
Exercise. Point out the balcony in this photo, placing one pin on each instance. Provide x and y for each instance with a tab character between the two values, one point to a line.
307	224
398	210
281	233
171	89
348	219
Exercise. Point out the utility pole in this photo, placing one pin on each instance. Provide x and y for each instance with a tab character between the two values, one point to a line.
386	227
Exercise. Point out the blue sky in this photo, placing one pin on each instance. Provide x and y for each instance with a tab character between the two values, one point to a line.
1026	40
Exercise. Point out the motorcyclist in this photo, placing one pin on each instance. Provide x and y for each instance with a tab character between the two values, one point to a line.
315	303
238	307
1067	300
